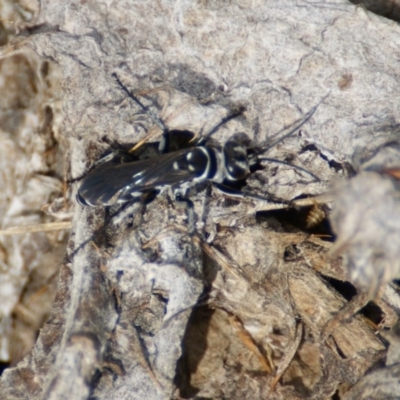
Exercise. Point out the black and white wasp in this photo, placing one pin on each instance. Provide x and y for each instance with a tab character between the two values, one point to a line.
112	181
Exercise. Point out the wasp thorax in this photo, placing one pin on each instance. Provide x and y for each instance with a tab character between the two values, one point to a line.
236	161
197	160
194	161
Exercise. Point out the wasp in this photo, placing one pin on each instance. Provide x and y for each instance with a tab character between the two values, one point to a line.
114	181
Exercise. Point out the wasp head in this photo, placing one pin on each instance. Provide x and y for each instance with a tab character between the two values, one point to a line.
236	157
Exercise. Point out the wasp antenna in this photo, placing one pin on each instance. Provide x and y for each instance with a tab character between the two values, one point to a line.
146	109
294	127
289	165
234	114
297	125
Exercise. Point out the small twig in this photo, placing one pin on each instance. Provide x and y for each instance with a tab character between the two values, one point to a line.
288	357
50	226
250	343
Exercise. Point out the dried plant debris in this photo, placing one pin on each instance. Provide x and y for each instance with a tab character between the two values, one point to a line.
366	219
311	300
384	383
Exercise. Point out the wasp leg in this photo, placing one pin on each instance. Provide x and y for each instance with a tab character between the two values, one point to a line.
231	192
189	206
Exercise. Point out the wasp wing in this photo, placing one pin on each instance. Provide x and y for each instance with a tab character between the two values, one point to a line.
110	182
